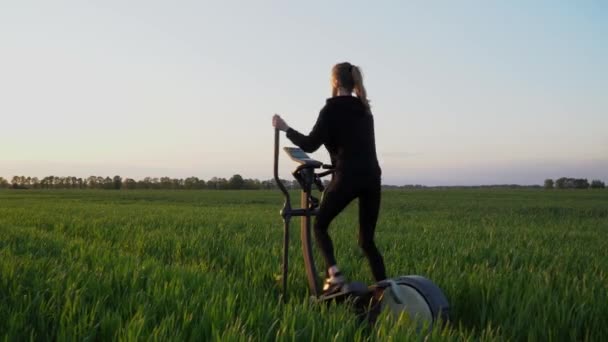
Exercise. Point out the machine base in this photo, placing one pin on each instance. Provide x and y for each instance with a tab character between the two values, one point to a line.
414	295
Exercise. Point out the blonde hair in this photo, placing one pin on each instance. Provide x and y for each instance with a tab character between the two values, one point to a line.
349	77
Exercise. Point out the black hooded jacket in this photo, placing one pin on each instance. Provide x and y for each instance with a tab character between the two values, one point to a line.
346	128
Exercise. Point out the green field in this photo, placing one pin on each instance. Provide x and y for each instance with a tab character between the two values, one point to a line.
201	265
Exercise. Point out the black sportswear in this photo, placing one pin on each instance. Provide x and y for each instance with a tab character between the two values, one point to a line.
346	128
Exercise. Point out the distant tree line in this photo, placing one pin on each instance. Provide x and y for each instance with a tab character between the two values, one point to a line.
573	183
440	187
236	182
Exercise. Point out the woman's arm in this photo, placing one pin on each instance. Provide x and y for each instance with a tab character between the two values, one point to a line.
317	137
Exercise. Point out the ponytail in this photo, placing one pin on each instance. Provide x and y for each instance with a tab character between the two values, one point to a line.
358	86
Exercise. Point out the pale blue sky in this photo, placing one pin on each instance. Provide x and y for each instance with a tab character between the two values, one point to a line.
471	92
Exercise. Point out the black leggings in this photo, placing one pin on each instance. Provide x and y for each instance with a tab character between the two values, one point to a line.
339	193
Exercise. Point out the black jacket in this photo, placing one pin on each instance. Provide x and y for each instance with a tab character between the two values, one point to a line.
346	128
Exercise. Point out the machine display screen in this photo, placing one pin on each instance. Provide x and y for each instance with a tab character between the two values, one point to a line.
300	156
297	153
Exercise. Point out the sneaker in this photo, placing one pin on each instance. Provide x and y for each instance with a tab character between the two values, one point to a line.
333	284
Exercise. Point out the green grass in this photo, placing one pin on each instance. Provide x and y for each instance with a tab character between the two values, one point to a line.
201	265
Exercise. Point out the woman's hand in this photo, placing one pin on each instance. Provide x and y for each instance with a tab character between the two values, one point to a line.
278	122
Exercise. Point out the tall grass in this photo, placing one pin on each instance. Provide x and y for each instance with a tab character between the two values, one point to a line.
173	265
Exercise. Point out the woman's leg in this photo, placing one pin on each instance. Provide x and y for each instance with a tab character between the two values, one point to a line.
336	197
369	207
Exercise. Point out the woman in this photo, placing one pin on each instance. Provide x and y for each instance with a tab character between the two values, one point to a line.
346	127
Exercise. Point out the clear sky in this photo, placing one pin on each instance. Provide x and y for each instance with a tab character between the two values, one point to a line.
467	92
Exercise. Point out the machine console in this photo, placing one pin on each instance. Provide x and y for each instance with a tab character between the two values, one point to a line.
299	156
